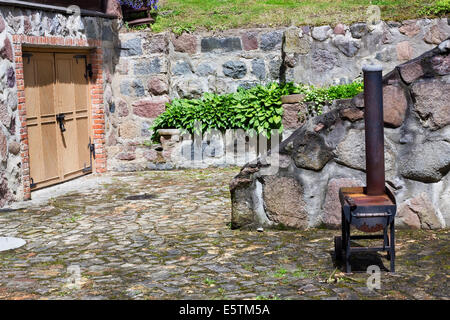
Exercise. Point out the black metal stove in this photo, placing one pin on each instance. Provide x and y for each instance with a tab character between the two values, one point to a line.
373	208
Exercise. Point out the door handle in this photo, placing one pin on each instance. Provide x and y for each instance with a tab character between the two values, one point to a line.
60	118
91	147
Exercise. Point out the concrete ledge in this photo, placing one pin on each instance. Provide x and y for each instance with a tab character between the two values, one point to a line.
168	132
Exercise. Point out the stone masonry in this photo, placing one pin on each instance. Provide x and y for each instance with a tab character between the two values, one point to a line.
137	73
21	27
328	152
152	69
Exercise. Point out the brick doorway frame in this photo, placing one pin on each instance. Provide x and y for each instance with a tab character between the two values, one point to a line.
95	89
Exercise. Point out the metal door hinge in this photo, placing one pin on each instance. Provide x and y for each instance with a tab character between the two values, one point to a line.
60	119
89	73
87	169
28	56
91	147
32	185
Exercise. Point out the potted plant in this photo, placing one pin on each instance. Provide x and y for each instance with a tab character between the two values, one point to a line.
138	12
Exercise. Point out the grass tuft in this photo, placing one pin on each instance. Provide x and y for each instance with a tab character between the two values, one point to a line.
216	15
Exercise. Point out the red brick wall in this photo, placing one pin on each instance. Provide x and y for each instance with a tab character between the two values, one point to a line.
95	87
98	111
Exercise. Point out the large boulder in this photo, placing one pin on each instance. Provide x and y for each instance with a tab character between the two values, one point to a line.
283	199
427	162
432	102
351	152
417	213
328	152
332	205
395	104
311	152
243	206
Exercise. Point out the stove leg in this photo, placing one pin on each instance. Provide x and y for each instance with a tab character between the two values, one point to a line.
344	238
392	246
386	242
348	267
344	232
386	238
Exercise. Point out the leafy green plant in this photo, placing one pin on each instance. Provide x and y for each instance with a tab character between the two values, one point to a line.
74	218
179	30
300	273
209	281
439	7
258	109
320	96
280	273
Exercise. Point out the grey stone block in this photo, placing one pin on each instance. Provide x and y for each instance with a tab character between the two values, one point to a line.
147	67
271	40
131	47
181	68
234	69
259	68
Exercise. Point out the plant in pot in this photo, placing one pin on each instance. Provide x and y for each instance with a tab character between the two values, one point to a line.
138	12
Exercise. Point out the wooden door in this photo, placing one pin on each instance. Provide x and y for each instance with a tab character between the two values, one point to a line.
56	86
72	101
39	75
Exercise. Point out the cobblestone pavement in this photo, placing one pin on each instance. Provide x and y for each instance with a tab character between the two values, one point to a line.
174	242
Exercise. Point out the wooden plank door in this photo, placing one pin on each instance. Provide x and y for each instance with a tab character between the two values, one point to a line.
43	131
72	101
55	86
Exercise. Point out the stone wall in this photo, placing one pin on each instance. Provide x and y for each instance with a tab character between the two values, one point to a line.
35	28
154	68
219	149
328	152
137	73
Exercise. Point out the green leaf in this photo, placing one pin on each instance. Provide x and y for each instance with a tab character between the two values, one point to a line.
257	108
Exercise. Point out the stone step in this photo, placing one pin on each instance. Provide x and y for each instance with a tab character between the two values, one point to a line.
293	98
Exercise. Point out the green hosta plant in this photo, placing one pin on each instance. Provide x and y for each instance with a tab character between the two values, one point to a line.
258	109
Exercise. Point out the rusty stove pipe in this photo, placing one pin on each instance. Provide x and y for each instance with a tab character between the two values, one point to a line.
374	129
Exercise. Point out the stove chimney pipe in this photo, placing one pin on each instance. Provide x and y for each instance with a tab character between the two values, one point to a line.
374	129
